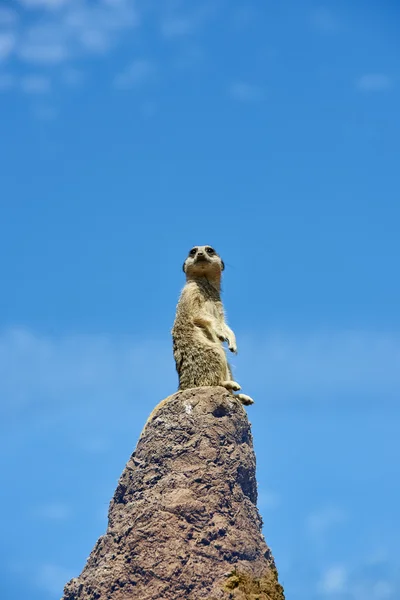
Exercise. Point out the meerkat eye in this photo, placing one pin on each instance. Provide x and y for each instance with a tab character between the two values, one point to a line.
210	251
192	252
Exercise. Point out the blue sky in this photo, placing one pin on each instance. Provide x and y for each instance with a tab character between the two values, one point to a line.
132	131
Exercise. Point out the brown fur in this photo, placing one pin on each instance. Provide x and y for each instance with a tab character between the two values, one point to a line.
200	327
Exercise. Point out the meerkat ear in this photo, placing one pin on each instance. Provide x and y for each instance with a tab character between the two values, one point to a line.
183	267
223	265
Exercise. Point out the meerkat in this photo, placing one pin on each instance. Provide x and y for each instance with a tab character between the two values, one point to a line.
200	328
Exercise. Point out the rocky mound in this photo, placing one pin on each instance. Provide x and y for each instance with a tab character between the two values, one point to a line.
183	522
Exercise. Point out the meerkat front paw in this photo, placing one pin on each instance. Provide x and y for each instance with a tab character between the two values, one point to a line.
245	400
232	347
232	386
231	339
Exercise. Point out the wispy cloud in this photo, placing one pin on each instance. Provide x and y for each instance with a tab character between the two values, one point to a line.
35	84
7	43
245	92
382	590
7	16
334	580
321	521
136	74
54	37
29	84
60	371
72	77
374	82
324	20
243	16
45	113
51	32
175	24
323	366
51	4
52	578
357	583
94	444
55	511
268	500
7	82
41	48
148	109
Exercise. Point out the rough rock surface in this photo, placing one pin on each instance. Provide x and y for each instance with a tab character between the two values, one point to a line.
183	523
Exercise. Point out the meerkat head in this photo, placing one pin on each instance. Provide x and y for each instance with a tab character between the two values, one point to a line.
203	261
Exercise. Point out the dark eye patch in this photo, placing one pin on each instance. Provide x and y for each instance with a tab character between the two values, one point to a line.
192	252
210	250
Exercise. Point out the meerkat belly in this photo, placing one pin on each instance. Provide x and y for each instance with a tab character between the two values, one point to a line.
199	361
203	335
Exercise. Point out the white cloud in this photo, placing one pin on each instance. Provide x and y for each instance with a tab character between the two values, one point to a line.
334	580
32	85
189	57
324	20
60	372
7	16
42	47
268	500
51	34
94	444
323	366
35	84
148	109
243	16
49	4
245	92
383	589
7	44
175	25
72	77
139	72
374	82
56	511
7	82
102	514
97	26
45	113
64	29
94	40
358	581
52	578
321	521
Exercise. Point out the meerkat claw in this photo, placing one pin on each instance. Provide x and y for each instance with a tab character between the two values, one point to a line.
232	386
245	400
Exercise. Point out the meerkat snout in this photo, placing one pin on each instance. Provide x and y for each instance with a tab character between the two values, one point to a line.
203	260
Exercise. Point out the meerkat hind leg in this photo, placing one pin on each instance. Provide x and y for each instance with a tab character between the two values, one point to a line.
231	386
244	399
229	383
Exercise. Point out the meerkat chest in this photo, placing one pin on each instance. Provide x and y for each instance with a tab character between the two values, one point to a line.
214	308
